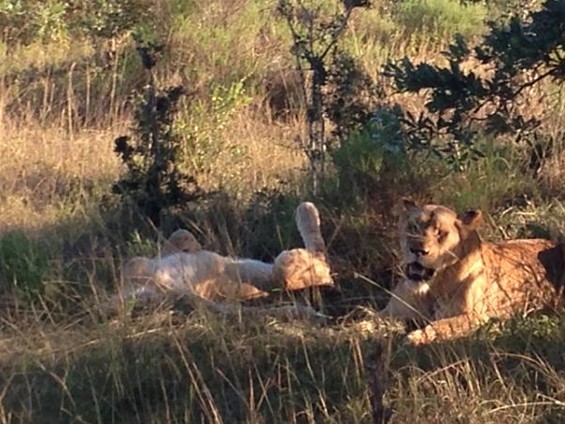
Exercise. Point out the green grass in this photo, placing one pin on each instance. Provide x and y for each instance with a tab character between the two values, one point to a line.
23	265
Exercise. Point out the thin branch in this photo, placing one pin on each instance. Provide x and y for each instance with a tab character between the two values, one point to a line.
528	84
338	33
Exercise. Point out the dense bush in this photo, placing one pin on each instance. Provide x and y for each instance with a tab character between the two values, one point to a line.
25	21
154	183
365	154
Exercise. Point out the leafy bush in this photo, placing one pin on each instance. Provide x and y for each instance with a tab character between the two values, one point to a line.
25	21
202	128
154	182
351	97
109	18
365	154
316	31
464	100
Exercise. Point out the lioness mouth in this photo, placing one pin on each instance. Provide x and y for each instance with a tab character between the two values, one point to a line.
416	272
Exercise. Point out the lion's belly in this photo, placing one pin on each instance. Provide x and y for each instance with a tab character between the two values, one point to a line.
187	271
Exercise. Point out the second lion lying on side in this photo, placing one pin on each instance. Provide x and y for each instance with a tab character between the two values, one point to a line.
456	281
184	267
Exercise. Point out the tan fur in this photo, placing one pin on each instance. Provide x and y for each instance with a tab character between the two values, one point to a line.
203	273
185	267
308	223
472	280
180	241
410	300
297	269
300	268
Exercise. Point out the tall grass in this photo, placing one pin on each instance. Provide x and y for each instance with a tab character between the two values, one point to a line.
201	368
440	19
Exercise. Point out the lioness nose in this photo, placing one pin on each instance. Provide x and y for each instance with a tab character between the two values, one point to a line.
419	252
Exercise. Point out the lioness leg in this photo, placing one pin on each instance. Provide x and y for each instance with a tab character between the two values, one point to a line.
297	269
409	300
445	329
251	272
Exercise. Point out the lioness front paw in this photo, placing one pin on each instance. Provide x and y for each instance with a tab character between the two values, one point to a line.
420	337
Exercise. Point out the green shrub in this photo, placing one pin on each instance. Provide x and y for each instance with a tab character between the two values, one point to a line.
366	154
155	183
26	21
203	126
109	18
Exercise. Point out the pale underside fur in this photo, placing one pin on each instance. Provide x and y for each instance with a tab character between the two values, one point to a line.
185	268
455	281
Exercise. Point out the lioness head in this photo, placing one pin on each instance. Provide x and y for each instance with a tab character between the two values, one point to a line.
433	237
181	241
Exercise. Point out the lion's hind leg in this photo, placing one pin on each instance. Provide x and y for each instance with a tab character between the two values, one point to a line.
297	269
252	278
308	222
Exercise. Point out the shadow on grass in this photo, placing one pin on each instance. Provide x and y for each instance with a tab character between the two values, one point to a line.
205	370
63	361
81	254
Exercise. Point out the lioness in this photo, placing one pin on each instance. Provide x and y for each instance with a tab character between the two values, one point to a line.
186	268
456	281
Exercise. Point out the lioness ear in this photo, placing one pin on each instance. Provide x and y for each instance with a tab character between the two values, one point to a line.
472	219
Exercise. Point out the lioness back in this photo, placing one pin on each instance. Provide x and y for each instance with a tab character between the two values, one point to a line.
524	274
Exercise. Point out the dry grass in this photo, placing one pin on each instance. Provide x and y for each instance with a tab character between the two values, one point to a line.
171	367
47	171
256	152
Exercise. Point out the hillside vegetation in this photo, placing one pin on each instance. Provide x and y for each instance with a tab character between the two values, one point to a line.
72	82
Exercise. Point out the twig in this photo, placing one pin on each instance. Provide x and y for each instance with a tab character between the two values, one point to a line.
376	379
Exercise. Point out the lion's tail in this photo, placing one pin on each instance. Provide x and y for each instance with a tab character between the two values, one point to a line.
308	223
